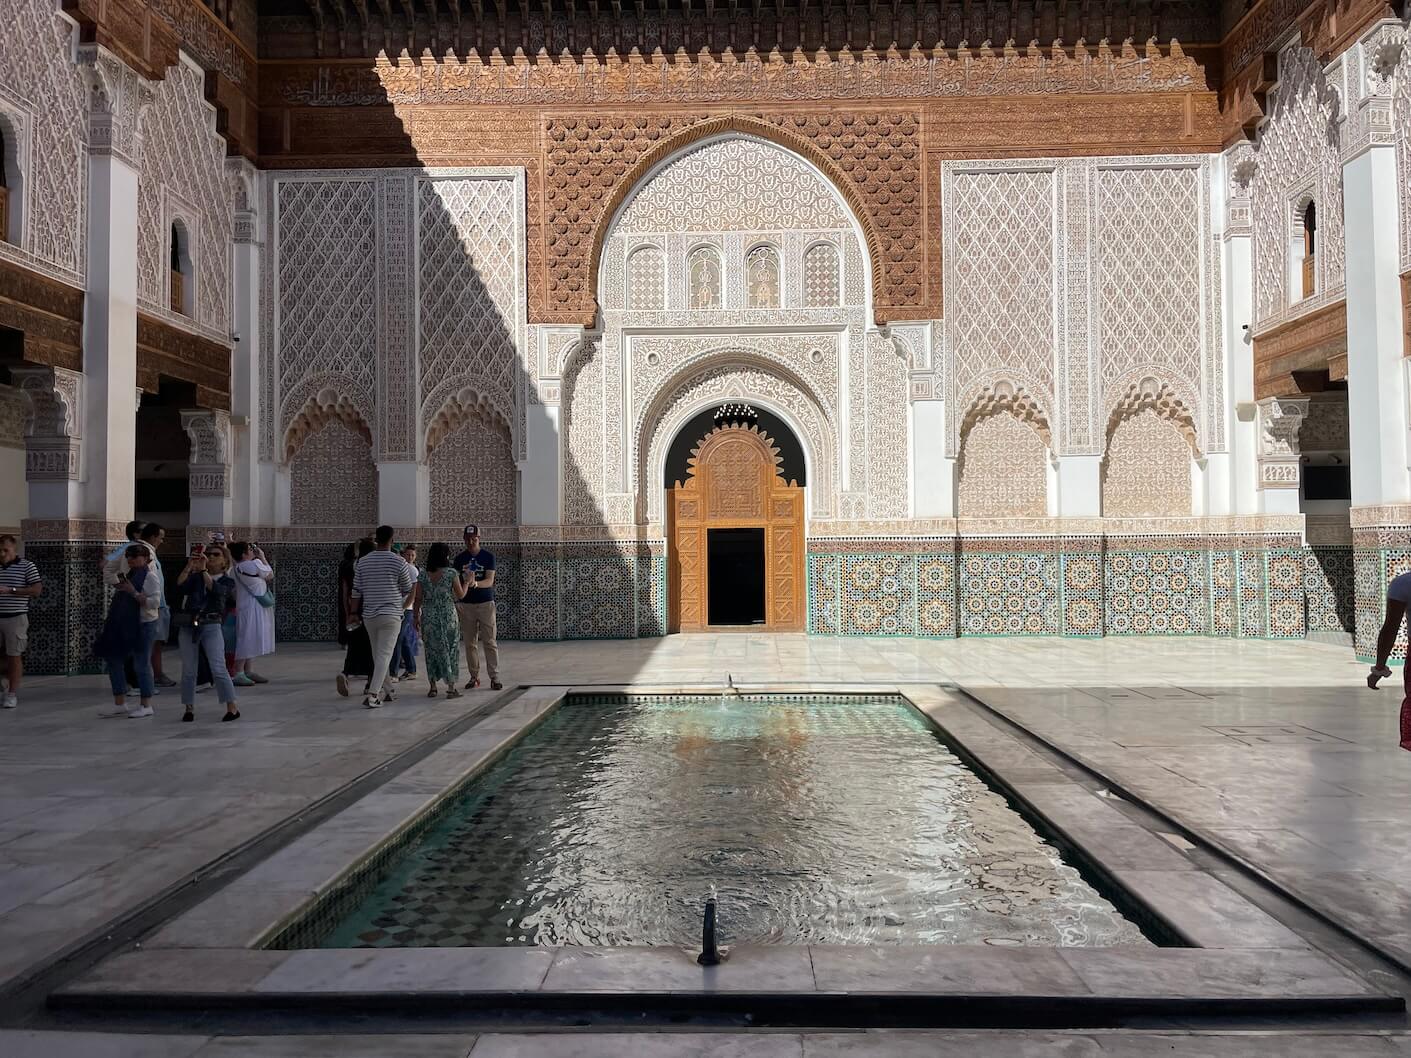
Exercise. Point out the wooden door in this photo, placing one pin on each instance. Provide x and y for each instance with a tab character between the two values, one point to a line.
733	481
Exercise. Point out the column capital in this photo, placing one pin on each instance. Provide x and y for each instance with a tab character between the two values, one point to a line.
1367	73
53	422
1280	420
1241	163
117	95
209	431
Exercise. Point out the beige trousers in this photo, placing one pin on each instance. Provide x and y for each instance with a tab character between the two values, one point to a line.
477	620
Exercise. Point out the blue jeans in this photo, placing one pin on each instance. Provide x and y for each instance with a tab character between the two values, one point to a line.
405	657
141	662
209	640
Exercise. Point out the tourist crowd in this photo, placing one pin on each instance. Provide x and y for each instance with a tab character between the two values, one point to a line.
220	612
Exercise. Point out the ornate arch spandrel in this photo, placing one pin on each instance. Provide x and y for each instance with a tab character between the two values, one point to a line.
761	382
1160	397
459	408
643	168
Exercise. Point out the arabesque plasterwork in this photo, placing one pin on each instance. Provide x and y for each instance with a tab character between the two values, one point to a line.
40	84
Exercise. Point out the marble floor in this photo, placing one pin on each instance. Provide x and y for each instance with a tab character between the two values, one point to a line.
1274	750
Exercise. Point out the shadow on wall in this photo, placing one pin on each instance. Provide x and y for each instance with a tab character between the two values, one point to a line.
465	418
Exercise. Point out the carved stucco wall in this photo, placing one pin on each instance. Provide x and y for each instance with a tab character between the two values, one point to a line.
1071	278
1147	470
333	480
1298	155
659	352
1401	125
473	476
1002	470
183	178
41	89
351	250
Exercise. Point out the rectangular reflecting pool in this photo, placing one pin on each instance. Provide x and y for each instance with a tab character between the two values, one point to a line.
814	819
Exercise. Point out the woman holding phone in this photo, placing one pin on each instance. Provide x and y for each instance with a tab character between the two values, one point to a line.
124	634
206	597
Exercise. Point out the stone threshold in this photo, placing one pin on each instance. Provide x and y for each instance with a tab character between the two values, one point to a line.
1240	960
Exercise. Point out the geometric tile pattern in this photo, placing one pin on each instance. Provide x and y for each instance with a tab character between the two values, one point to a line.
1155	593
1328	587
1008	593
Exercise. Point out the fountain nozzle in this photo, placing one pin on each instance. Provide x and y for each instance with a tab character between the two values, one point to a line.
710	955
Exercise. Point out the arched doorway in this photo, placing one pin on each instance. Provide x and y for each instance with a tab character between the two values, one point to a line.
735	533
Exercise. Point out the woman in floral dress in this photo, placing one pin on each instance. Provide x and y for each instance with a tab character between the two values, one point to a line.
438	589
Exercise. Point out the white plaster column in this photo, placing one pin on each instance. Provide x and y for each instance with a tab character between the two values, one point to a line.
932	471
1233	481
1376	381
404	492
1079	485
1279	421
540	476
250	504
117	95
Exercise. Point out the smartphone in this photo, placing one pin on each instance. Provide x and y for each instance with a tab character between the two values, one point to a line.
198	550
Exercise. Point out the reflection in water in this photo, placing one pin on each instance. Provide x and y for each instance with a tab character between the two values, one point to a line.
817	820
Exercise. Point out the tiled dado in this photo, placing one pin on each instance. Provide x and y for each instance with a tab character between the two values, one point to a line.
1074	586
1381	551
542	591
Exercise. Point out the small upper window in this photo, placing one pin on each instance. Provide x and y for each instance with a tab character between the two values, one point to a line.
1308	270
11	182
703	278
646	279
180	271
820	276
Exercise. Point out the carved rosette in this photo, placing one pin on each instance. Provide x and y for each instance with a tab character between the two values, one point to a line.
117	95
53	433
1280	420
209	431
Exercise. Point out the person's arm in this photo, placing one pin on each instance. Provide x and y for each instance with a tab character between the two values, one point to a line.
33	586
489	581
112	566
416	606
459	585
1386	639
355	597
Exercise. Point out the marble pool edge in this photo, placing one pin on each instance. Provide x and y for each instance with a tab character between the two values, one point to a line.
212	953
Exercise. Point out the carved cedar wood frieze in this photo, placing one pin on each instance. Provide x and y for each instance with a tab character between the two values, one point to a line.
47	313
162	350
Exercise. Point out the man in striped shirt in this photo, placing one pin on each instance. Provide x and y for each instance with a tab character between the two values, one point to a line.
381	581
19	582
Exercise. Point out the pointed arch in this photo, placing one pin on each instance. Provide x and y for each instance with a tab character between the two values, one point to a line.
744	125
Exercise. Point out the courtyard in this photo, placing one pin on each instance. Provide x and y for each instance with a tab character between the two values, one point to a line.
1251	791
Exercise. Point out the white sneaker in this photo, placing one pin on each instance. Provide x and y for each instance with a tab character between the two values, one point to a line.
389	693
371	702
140	712
10	701
112	711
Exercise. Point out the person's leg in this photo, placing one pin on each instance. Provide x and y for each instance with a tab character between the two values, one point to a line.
403	662
212	644
190	664
486	621
116	664
143	663
465	617
383	629
1406	707
14	633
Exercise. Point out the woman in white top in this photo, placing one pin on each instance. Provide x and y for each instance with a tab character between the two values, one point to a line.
254	621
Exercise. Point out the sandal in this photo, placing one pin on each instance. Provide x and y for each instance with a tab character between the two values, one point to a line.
451	691
431	693
231	716
189	716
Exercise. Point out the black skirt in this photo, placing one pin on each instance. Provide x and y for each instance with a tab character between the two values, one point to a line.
358	659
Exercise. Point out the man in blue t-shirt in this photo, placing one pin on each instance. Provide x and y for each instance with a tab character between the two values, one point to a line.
476	612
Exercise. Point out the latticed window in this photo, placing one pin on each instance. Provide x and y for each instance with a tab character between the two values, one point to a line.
1309	269
820	276
178	279
646	283
762	278
703	278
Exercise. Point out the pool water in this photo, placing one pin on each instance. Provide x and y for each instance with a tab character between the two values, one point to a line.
813	819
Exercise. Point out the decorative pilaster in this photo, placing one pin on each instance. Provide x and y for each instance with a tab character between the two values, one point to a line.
252	487
1237	250
1279	421
1376	378
53	437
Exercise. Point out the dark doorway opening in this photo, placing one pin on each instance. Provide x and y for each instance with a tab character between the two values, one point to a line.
735	565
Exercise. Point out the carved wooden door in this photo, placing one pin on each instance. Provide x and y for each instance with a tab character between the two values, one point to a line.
733	481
